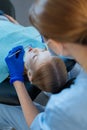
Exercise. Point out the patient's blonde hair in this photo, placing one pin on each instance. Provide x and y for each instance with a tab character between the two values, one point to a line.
51	76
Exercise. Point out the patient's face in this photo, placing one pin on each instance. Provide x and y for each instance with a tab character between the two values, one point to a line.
35	57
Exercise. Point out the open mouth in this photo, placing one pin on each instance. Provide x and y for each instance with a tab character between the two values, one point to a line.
30	49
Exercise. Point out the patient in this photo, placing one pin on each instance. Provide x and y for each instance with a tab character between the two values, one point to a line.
44	70
11	35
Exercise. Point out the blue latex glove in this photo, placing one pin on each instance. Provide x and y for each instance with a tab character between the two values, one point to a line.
15	64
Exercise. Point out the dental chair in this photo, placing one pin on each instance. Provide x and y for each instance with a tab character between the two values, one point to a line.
8	94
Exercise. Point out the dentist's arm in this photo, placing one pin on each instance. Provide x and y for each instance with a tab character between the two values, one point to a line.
16	68
27	105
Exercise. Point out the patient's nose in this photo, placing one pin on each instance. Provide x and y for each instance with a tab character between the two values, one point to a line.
35	50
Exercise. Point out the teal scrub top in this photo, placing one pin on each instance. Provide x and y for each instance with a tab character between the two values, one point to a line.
66	110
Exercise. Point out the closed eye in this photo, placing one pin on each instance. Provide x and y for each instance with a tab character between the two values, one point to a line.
34	56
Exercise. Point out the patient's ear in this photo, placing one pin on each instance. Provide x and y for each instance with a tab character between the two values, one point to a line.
30	75
57	47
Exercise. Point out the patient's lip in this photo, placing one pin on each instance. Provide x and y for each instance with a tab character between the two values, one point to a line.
30	49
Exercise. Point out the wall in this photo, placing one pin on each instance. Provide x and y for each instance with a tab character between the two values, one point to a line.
21	9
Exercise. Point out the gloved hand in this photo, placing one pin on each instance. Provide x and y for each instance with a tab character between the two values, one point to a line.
15	64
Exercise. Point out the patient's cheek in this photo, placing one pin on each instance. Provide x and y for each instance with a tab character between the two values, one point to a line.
26	57
26	60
